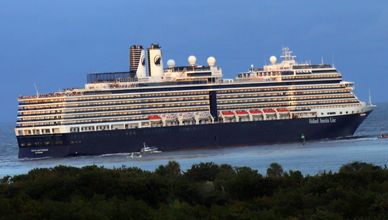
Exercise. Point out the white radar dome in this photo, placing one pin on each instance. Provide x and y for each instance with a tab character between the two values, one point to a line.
273	60
211	61
171	63
192	60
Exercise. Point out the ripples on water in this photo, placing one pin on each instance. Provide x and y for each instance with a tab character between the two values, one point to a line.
311	158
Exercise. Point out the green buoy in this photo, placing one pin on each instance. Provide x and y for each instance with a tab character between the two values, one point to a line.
302	137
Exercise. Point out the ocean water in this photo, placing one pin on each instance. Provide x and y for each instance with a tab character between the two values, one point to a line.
311	158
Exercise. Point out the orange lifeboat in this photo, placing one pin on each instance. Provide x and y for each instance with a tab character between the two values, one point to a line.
269	111
241	112
227	113
154	118
282	110
255	111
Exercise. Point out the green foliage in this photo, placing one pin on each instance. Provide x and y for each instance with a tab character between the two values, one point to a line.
246	184
356	167
274	170
171	169
205	191
202	172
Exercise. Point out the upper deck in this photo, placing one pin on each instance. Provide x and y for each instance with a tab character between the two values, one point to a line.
195	76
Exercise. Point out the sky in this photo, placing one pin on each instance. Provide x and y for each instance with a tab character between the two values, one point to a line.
54	44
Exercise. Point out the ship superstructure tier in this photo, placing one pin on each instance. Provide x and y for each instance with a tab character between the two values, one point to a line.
151	96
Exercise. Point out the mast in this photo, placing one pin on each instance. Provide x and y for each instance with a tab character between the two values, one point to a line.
36	90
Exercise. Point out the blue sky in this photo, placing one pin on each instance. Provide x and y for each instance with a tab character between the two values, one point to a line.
56	43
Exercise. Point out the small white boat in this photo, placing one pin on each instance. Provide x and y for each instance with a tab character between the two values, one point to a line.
135	155
149	150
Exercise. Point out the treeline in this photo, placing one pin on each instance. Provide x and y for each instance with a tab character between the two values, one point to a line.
205	191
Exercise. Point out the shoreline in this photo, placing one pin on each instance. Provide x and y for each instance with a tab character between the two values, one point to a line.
205	191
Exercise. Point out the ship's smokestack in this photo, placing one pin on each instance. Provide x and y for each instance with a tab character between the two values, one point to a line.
155	62
134	58
141	67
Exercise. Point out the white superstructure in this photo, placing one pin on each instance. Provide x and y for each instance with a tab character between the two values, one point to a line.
182	95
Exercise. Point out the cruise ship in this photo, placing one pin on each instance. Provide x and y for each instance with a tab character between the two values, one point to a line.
189	107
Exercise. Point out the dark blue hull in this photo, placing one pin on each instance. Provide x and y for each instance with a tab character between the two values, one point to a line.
188	137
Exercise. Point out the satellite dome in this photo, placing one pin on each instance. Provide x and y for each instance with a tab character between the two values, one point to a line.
273	60
171	63
211	61
192	60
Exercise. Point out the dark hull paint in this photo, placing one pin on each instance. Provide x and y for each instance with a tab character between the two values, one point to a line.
190	137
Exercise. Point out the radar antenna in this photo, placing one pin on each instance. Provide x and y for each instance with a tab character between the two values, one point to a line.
287	55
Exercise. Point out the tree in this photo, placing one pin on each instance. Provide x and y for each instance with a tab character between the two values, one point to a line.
203	172
246	184
171	169
358	167
274	170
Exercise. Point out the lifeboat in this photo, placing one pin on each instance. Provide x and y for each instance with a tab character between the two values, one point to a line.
241	112
227	113
154	118
255	111
269	111
170	117
204	115
282	110
187	116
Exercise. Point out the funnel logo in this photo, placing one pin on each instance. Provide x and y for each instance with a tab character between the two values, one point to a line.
157	60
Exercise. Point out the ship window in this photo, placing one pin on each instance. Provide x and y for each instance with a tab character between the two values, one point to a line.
74	129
